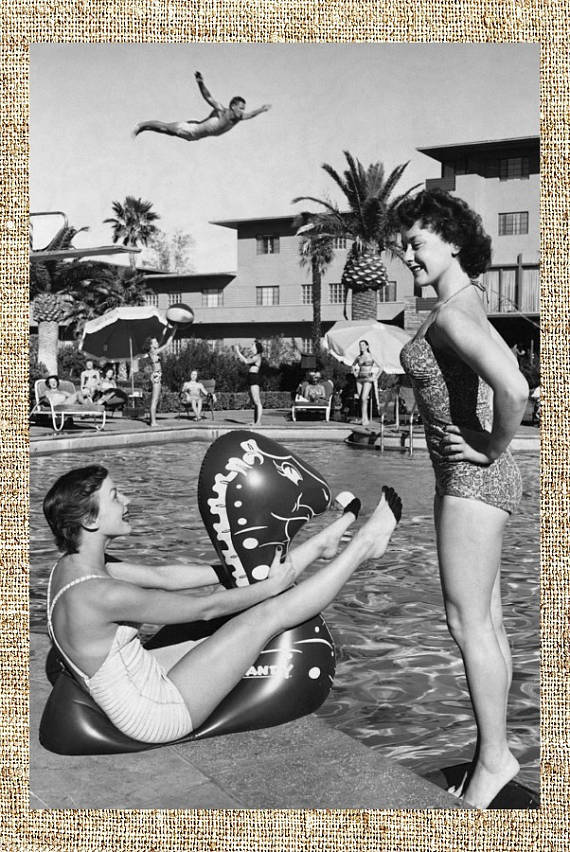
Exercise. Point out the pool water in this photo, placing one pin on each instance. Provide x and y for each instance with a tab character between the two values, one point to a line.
399	685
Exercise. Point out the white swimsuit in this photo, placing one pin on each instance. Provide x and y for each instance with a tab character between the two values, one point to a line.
130	686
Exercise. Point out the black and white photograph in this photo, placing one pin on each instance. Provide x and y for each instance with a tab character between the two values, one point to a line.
285	409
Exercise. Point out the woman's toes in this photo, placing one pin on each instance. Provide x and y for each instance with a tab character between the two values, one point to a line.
394	501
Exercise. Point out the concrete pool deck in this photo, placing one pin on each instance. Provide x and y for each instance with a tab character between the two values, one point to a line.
302	764
276	424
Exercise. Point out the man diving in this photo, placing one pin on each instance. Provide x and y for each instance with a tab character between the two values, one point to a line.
220	120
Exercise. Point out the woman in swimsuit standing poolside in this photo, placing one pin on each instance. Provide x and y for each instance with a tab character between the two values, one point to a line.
95	606
366	369
153	347
254	364
471	397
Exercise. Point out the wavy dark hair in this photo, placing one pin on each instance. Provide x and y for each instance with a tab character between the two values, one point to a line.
71	503
258	345
454	221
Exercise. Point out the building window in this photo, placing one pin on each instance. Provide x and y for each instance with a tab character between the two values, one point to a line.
212	298
336	294
513	223
513	168
151	300
339	242
307	294
388	292
307	345
173	298
267	295
267	244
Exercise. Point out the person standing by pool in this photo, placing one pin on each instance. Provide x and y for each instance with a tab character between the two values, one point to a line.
365	369
152	346
253	360
95	607
471	397
90	380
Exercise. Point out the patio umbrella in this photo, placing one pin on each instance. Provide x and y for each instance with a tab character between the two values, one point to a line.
120	334
385	341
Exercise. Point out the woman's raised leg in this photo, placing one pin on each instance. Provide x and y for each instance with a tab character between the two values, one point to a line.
209	671
469	537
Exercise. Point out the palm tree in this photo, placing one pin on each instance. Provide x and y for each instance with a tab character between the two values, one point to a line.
369	222
133	223
50	295
315	251
74	291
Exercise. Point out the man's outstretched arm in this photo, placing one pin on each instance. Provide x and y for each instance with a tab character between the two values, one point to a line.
205	93
255	112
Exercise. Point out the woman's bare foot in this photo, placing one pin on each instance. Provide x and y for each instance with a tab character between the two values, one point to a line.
382	522
333	534
487	781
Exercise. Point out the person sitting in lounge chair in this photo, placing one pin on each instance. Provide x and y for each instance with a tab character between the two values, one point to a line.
56	396
312	389
109	394
193	393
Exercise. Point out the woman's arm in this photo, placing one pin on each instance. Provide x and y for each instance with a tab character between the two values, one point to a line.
122	601
167	336
494	363
172	577
240	356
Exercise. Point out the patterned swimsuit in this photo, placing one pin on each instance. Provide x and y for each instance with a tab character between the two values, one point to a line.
448	391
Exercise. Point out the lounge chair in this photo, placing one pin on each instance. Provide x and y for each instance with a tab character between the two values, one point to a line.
59	414
209	400
323	405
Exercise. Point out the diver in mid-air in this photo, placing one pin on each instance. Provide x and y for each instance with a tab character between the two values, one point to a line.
220	120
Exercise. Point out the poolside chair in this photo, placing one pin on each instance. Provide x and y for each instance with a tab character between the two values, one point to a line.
62	414
324	405
209	399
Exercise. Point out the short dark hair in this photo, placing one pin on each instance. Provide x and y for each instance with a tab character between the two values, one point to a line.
258	346
72	502
53	376
237	100
108	366
454	221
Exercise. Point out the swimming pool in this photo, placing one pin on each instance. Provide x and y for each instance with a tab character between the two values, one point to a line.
399	685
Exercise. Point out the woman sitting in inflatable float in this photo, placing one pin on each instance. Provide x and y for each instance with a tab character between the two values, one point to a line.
208	673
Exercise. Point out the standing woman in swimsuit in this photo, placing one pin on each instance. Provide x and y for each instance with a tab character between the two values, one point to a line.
365	368
95	605
254	364
471	397
153	347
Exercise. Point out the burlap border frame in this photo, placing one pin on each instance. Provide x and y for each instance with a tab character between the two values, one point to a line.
23	22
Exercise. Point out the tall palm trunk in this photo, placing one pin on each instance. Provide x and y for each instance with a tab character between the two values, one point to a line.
364	305
317	329
48	333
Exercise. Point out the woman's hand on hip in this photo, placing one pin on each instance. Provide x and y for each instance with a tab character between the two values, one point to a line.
461	444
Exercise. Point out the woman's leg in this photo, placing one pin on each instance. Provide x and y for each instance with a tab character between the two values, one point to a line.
194	404
364	397
254	393
469	537
237	644
199	409
156	386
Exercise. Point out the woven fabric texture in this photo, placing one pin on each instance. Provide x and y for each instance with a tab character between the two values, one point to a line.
23	22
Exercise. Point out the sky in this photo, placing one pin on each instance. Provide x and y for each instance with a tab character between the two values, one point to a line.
378	101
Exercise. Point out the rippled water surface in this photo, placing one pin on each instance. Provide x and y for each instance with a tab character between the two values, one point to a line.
399	685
